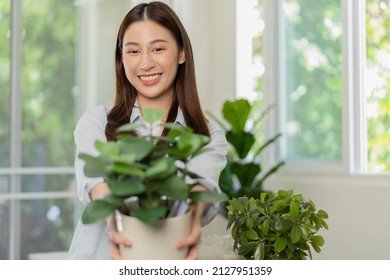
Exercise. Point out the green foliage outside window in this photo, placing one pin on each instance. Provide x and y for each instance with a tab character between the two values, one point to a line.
378	95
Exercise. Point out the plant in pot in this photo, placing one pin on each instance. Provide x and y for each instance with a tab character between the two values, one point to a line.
244	174
147	178
278	225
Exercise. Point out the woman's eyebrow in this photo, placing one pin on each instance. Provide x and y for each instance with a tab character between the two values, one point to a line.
150	43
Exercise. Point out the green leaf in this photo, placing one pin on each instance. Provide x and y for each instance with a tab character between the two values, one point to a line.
251	234
208	197
136	146
236	113
296	234
246	248
304	232
294	210
278	206
173	187
127	159
324	224
263	196
161	168
109	149
126	187
124	169
265	227
304	216
318	240
241	141
152	115
95	166
97	211
285	194
249	223
113	199
283	225
128	127
280	244
322	214
246	172
235	204
316	247
149	216
226	180
259	252
190	143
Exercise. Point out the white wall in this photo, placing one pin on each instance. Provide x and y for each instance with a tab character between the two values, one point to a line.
99	24
211	27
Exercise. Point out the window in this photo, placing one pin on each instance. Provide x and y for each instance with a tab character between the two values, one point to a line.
377	84
326	71
312	88
38	110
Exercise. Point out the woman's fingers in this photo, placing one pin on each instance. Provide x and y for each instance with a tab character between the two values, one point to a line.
115	252
193	252
115	239
192	240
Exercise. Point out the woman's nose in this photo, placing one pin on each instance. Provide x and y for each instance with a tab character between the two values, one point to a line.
147	62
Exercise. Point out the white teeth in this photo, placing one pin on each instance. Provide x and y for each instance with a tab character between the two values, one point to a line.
149	78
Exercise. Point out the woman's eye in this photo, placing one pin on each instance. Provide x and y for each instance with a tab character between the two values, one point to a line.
158	49
132	51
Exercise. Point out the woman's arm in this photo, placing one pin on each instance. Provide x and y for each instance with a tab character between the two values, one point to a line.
209	165
90	127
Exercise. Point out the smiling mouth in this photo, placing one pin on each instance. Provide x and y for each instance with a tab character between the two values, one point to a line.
148	78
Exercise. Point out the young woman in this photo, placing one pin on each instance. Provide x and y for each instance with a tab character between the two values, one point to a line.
154	67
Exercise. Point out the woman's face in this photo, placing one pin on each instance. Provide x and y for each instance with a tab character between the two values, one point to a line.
151	58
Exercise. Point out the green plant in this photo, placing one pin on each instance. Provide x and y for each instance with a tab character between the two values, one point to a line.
149	169
275	226
244	174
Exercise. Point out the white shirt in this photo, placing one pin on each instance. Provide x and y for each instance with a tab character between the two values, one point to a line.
89	241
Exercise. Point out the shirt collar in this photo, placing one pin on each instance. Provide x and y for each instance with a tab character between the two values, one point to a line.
136	114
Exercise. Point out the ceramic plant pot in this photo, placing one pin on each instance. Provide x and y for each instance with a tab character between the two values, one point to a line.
157	241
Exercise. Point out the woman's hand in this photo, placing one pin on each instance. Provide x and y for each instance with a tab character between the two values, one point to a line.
192	240
115	239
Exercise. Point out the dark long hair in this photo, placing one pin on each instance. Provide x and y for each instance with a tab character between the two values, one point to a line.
185	89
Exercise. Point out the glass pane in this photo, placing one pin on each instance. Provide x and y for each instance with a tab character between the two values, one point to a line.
4	184
47	226
258	26
48	82
4	229
313	85
250	67
48	183
5	81
378	84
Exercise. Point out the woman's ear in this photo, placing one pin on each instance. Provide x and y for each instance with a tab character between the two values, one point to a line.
182	57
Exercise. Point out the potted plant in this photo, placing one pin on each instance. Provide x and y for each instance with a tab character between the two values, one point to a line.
278	225
147	178
244	174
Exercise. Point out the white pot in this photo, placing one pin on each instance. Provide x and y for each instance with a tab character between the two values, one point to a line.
157	241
